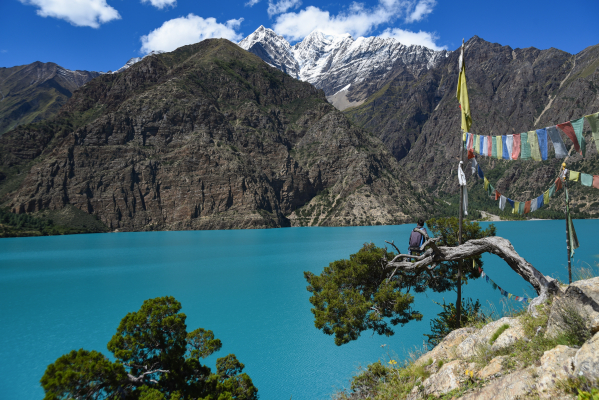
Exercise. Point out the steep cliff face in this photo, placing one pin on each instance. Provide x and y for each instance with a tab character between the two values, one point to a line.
34	92
511	91
205	137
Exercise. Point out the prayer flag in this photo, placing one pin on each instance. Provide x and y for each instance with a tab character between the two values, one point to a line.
516	147
482	145
521	207
527	206
574	176
533	142
465	137
471	146
578	125
502	201
546	197
540	201
462	93
495	285
572	238
558	184
524	147
511	202
586	179
489	146
558	143
596	181
568	129
490	190
509	141
480	173
493	147
504	152
477	144
534	204
497	195
594	122
542	136
486	183
551	190
499	147
516	207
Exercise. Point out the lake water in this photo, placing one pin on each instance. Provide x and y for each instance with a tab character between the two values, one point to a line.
69	292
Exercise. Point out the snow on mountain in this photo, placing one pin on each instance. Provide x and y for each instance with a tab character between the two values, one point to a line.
273	49
134	60
339	63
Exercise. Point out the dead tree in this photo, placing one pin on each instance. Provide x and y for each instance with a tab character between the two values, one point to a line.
433	255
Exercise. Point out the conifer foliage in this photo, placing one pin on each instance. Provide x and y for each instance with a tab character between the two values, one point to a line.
156	359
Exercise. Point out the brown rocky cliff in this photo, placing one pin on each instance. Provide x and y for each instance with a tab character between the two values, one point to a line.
205	137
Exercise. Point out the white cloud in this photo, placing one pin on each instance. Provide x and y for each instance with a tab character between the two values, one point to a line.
421	38
281	6
187	30
90	13
161	3
252	3
357	20
420	10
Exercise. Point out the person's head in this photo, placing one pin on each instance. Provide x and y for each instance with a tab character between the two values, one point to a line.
420	221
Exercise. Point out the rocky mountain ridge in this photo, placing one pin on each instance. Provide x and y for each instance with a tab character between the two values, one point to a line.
348	70
205	137
36	91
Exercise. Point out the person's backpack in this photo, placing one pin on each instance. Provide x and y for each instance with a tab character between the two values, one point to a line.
416	239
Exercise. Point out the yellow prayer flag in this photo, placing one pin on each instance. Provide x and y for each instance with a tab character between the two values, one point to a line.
499	147
486	183
546	197
574	176
462	94
516	207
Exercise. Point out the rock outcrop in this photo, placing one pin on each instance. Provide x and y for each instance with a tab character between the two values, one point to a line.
205	137
474	368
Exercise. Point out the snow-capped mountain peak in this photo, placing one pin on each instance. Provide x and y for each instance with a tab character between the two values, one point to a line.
339	63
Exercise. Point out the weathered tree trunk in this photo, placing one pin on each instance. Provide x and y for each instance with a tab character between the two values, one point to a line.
544	286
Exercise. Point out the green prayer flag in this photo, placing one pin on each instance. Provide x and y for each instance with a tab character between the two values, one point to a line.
594	122
533	142
494	147
578	125
521	206
491	190
551	191
572	238
524	147
586	179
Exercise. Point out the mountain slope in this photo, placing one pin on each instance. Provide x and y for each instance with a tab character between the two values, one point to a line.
347	70
205	137
511	91
36	91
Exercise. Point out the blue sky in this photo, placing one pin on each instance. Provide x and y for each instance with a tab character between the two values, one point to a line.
101	35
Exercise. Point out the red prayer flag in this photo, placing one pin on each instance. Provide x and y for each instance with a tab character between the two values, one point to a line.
489	146
527	207
568	129
596	181
471	147
497	195
516	147
558	184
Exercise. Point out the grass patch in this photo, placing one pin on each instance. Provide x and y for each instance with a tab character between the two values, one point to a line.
498	332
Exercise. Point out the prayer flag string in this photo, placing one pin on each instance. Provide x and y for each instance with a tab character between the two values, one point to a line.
534	144
503	292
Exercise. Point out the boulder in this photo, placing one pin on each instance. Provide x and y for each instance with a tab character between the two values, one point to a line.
583	297
515	385
470	345
444	350
586	361
556	365
510	336
447	379
493	368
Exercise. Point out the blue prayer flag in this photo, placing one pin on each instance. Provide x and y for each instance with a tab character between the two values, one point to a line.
480	172
542	137
506	153
540	201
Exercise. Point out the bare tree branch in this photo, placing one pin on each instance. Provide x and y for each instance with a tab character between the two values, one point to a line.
544	286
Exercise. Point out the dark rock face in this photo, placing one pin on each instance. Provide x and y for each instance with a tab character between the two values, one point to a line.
205	137
510	90
34	92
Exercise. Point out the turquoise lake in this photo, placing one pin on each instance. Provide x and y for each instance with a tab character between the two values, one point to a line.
68	292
